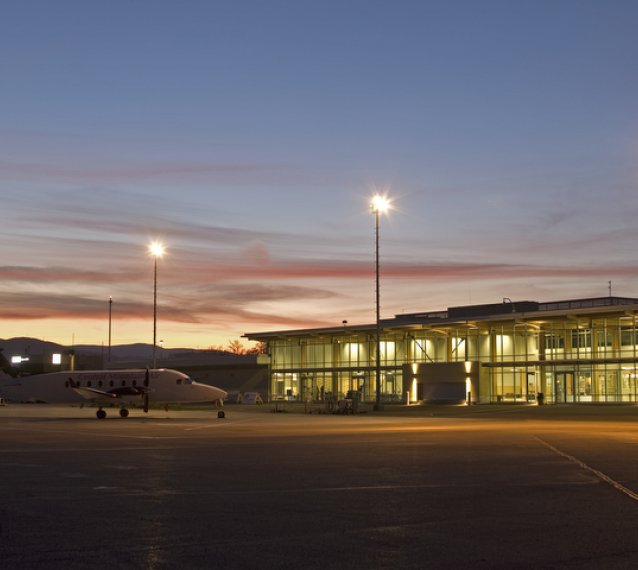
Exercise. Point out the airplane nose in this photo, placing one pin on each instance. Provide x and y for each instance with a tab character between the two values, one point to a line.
208	392
219	394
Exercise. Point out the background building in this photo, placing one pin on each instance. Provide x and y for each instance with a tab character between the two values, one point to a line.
232	372
574	351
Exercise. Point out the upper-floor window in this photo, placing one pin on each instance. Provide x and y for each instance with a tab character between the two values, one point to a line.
388	350
581	338
628	336
554	341
604	339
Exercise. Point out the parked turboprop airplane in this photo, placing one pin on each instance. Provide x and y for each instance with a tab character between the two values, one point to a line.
111	386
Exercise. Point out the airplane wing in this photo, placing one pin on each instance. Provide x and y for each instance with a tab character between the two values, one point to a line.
91	393
116	394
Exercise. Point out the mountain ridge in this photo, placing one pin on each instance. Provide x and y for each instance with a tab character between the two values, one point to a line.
29	346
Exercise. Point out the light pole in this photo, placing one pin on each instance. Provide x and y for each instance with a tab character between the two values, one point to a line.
110	312
156	249
378	205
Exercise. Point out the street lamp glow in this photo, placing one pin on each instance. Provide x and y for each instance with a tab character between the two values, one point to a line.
380	204
156	249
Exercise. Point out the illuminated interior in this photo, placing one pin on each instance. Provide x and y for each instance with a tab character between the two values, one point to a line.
577	351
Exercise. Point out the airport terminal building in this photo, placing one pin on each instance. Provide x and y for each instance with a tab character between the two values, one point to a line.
574	351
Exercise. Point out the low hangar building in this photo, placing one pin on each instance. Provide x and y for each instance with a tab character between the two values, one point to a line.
573	351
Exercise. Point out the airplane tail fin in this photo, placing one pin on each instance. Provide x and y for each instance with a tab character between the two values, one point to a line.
6	367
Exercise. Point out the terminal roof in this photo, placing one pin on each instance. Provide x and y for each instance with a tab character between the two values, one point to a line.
465	313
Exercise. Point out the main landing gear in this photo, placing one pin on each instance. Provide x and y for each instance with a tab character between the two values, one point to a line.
101	414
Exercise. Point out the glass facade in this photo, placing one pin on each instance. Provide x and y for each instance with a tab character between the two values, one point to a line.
578	351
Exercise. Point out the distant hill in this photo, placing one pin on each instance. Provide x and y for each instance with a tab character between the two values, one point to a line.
34	347
26	346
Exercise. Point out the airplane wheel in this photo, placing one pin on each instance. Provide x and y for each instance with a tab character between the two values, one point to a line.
124	413
221	414
101	414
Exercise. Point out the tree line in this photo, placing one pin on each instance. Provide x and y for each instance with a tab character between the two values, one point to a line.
237	347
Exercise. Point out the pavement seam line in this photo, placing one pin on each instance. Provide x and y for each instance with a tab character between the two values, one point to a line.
606	478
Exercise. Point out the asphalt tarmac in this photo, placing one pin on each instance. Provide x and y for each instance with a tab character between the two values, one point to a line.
438	487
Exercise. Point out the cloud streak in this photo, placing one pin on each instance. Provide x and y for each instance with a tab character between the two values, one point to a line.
242	293
238	272
25	306
123	171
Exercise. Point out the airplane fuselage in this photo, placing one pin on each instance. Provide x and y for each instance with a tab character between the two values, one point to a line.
164	386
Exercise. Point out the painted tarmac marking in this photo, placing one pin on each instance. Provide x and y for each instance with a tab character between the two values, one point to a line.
220	423
127	492
606	478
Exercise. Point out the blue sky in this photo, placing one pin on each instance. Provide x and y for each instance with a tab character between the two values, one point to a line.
249	137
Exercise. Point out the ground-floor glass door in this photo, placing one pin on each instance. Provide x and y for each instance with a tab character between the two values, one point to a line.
564	387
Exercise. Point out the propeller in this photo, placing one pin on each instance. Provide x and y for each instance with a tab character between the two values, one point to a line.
147	376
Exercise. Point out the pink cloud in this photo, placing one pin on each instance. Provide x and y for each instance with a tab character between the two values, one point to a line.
200	273
133	171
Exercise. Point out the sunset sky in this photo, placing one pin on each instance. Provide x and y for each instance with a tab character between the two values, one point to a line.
249	136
